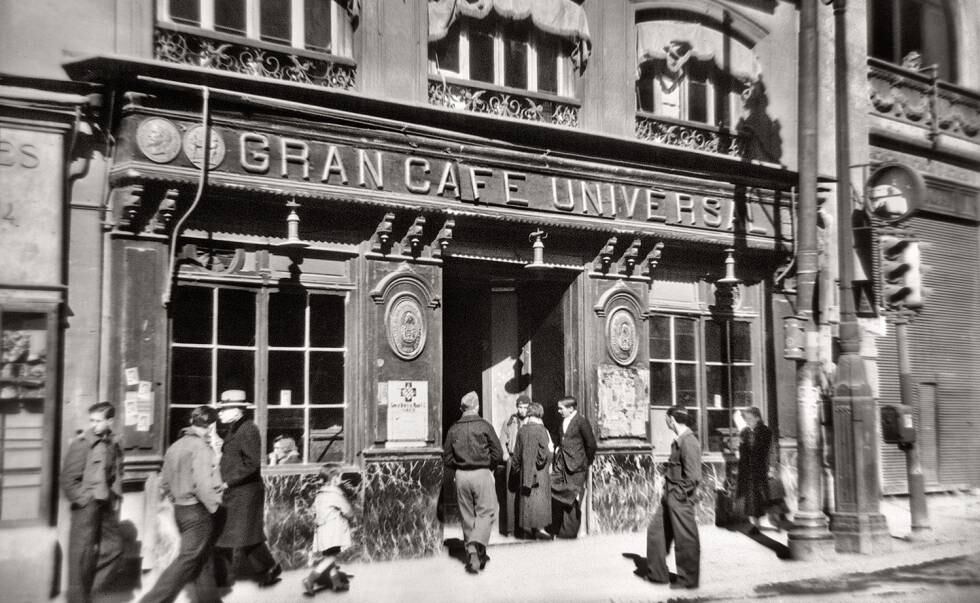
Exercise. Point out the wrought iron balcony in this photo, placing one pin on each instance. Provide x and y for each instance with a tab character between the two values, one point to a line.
503	102
921	99
203	48
688	135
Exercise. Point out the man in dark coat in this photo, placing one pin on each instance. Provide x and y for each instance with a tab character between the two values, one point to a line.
507	486
755	442
92	481
242	514
674	522
531	462
473	450
576	450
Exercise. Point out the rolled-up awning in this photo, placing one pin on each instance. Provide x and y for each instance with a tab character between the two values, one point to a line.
563	18
662	39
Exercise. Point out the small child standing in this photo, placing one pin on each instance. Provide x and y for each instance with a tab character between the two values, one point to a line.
333	515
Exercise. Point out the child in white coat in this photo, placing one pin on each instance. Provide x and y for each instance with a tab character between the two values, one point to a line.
333	515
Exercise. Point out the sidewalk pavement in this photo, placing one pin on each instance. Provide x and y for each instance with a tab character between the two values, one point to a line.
600	568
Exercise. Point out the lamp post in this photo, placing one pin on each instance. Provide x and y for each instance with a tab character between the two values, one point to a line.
857	525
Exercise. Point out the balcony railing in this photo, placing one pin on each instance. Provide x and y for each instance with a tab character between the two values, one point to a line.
488	99
251	57
662	130
918	98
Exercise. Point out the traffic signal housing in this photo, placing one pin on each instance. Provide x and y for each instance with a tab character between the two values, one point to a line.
901	271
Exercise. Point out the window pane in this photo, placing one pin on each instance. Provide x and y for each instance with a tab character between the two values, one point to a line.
719	430
22	441
326	321
192	315
697	101
190	376
185	11
659	338
288	423
287	384
23	364
317	25
445	52
326	378
741	339
229	16
236	317
714	342
515	54
548	52
882	23
685	339
687	385
275	21
660	385
287	319
481	52
236	370
717	387
326	435
742	385
911	29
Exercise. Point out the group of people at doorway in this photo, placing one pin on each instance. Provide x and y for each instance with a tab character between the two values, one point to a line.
544	483
218	508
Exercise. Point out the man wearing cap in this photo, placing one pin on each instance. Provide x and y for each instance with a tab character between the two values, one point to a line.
507	484
473	450
190	480
242	533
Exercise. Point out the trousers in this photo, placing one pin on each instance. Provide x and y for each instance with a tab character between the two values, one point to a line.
94	548
193	562
477	498
674	523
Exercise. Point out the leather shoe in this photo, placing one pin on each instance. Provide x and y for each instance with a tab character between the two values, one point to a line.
272	576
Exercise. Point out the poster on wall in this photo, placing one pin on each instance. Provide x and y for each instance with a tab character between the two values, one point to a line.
624	397
408	412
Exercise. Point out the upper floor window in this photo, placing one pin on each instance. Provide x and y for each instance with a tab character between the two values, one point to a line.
314	25
915	34
492	42
692	71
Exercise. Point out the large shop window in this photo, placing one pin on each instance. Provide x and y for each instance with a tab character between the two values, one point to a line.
315	25
914	34
286	348
25	400
705	365
692	71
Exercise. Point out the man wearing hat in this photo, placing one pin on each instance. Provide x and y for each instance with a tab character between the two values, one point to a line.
242	535
473	450
507	484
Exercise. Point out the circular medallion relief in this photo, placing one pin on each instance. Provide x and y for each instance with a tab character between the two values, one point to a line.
406	326
158	139
194	146
621	336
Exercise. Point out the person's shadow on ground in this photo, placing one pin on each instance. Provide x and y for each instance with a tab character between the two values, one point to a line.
642	568
781	550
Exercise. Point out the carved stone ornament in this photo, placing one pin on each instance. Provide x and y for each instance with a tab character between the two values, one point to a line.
406	326
621	336
158	139
194	145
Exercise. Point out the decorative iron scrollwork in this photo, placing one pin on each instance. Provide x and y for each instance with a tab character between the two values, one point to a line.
689	136
503	104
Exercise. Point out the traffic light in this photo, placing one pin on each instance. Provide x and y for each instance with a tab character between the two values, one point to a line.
901	271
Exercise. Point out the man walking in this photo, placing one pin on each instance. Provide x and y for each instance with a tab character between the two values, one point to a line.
473	450
508	439
92	481
674	521
190	480
242	513
572	460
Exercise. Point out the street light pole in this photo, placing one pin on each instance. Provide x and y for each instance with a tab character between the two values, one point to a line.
858	525
809	536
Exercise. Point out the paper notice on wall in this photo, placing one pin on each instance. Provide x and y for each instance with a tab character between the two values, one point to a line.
130	409
143	422
285	397
132	376
408	411
145	387
144	411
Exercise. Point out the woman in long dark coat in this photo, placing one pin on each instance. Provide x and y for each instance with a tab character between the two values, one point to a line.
532	459
753	466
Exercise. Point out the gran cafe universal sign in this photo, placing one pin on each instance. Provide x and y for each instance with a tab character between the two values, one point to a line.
384	167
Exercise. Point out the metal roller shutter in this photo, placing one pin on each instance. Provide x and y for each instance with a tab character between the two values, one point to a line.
945	359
